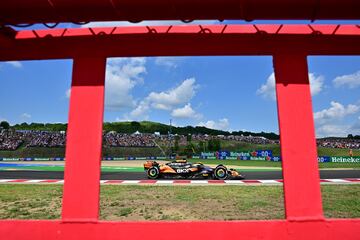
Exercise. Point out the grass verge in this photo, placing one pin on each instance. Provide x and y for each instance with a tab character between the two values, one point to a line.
136	203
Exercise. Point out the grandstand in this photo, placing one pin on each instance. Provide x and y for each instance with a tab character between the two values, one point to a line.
46	142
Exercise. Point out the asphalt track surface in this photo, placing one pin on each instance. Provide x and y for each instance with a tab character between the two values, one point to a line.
265	175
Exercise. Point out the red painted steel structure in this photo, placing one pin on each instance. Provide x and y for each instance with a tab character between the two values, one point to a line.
35	11
289	45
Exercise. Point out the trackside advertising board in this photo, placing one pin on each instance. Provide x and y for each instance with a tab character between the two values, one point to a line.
104	158
262	155
345	159
266	155
251	155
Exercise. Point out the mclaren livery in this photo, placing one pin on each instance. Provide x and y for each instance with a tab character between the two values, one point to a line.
185	169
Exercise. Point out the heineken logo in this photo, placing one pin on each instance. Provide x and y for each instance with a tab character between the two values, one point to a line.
345	159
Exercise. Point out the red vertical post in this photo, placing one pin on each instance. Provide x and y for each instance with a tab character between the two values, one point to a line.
84	141
297	138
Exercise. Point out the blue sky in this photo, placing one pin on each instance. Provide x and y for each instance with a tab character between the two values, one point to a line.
230	93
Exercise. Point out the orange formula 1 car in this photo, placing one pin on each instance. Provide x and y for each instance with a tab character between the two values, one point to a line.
185	169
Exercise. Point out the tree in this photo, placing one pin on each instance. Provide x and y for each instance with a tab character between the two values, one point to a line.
217	144
176	144
201	146
189	149
214	145
350	136
5	125
135	124
189	138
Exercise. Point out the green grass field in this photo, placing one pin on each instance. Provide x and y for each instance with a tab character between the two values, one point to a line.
136	203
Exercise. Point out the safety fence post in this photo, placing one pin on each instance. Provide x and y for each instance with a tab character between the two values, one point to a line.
84	141
297	138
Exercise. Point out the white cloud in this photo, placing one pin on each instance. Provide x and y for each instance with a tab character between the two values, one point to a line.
316	83
68	93
140	112
127	118
145	23
15	64
336	111
350	81
25	117
338	130
185	112
174	97
169	62
122	75
267	90
333	130
166	100
355	128
222	124
329	122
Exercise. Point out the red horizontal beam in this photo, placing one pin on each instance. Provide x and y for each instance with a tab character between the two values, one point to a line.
331	229
185	40
276	29
35	11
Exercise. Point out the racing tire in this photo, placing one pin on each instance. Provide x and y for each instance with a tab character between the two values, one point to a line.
220	173
153	172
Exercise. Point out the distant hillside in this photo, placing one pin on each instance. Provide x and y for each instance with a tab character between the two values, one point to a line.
144	127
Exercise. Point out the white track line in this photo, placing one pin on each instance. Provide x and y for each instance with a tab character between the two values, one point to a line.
337	180
174	182
199	182
234	182
165	182
33	181
130	182
269	181
6	180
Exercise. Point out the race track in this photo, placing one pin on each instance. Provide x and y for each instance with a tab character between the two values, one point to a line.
258	175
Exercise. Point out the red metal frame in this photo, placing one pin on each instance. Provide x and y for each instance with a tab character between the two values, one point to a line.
35	11
184	40
84	141
289	45
300	167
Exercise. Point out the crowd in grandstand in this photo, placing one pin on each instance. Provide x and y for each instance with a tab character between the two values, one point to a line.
247	139
46	139
114	139
11	140
347	143
251	139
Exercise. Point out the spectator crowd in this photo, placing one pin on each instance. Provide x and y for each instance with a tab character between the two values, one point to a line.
13	139
10	140
114	139
347	143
